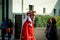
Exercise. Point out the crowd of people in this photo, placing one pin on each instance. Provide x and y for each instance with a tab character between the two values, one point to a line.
6	28
51	30
27	30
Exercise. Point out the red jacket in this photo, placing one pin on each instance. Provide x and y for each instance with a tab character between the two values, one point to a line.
27	31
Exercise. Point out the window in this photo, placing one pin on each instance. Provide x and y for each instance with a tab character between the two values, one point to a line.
31	7
54	11
44	10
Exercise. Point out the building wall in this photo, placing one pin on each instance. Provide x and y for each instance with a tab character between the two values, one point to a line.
10	9
38	6
57	7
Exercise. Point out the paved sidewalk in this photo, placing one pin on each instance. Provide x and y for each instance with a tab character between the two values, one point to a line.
6	36
40	35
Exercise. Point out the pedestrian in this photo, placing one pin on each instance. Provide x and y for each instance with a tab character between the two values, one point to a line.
47	31
51	31
9	29
3	28
27	32
54	29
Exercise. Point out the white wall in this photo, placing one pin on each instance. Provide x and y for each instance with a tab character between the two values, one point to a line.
16	6
38	6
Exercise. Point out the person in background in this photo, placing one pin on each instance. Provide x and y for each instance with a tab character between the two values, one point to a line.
47	31
9	29
3	28
51	31
27	32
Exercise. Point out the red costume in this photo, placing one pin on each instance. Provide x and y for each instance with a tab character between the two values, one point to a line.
27	32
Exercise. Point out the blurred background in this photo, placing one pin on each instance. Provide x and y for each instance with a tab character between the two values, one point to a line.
16	9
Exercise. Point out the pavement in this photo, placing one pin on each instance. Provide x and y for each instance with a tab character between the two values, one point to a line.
39	34
6	36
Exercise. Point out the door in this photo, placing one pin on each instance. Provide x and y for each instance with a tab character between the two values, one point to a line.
18	25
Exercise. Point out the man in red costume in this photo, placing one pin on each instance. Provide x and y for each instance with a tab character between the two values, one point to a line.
27	32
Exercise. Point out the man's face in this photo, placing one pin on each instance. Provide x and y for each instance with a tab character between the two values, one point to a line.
32	17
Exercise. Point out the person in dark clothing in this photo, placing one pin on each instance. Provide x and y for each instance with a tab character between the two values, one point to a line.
9	28
3	32
47	32
51	30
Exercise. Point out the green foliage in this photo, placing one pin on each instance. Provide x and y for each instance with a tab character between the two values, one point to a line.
41	21
58	21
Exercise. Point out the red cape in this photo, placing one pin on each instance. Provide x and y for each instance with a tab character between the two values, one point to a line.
27	31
